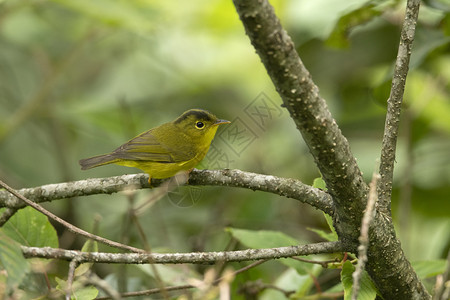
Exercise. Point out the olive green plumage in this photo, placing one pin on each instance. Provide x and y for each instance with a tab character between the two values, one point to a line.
167	149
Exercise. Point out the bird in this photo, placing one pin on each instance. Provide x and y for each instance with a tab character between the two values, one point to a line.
163	151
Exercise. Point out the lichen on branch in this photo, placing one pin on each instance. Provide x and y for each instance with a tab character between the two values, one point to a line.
288	187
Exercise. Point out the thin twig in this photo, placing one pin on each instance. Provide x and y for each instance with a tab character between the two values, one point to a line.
185	286
335	295
178	258
122	274
147	248
72	266
250	266
388	266
220	266
103	285
442	286
394	104
252	288
276	288
151	291
69	226
369	214
324	263
163	189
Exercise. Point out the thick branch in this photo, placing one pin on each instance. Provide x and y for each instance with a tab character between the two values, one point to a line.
290	188
300	95
178	258
387	263
395	105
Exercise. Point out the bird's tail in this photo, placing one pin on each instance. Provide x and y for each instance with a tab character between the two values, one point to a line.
97	161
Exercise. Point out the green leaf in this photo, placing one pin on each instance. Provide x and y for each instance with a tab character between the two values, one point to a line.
338	287
347	280
31	228
320	183
290	280
89	246
339	36
367	290
61	284
308	282
258	239
329	236
429	268
12	261
329	220
79	291
86	293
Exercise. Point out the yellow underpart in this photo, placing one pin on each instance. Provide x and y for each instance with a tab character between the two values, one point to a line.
164	170
160	170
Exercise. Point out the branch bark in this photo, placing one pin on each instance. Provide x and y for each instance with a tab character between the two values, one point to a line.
394	105
178	258
385	252
310	113
287	187
67	225
387	264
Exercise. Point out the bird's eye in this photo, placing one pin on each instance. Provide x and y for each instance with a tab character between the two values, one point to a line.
199	125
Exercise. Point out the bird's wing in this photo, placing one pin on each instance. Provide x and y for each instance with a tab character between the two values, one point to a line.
147	147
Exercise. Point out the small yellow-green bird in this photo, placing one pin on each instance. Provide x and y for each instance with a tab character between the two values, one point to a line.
165	150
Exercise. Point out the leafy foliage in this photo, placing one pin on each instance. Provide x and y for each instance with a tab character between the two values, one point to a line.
29	227
270	239
367	289
12	261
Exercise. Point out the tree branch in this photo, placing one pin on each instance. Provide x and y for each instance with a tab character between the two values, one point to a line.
394	105
366	222
387	264
300	95
287	187
185	286
102	284
67	225
178	258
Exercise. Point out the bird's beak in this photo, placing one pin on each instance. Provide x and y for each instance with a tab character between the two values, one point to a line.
220	121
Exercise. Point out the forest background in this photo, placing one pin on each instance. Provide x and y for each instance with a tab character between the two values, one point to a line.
79	78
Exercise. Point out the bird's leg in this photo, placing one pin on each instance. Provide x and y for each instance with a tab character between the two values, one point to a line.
188	172
182	177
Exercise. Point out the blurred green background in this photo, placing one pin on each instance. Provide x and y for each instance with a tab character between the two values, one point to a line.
78	78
